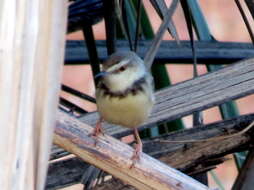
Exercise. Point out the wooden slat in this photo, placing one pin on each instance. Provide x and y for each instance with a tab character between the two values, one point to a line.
196	157
31	58
232	82
169	51
114	156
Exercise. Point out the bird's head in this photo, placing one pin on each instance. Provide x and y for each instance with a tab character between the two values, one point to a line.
121	70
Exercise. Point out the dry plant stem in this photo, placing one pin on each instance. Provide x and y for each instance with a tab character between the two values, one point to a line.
31	57
150	54
114	156
211	139
189	158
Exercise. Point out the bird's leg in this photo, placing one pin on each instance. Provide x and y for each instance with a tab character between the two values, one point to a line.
138	147
98	129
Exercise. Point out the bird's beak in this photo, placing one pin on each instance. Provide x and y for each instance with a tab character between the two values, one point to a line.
100	75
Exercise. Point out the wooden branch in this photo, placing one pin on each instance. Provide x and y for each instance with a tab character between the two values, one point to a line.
114	156
153	48
31	58
188	157
169	51
212	89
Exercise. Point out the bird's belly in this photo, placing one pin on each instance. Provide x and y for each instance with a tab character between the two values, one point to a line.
129	111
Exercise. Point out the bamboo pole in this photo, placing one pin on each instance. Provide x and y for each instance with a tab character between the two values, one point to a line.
114	157
32	34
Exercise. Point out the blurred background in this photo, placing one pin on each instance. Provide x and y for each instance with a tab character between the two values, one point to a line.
225	23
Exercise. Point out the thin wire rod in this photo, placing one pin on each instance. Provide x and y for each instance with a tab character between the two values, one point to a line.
78	93
73	108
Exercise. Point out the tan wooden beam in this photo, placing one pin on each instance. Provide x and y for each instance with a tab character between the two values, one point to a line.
113	156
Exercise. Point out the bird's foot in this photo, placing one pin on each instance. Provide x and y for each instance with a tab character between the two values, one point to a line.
136	154
97	130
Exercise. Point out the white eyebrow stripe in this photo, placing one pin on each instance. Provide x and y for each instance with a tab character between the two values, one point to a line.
117	66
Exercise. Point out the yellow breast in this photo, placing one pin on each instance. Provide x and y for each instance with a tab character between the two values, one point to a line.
128	111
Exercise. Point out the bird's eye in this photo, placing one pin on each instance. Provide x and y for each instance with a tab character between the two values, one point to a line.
122	68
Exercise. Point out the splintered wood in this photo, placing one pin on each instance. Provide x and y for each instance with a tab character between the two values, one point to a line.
114	156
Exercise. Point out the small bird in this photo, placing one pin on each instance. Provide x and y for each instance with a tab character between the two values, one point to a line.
124	94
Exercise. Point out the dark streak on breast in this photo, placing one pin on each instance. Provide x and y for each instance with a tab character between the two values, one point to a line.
134	89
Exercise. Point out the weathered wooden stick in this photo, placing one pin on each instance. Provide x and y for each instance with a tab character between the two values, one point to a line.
211	142
188	157
114	157
152	50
